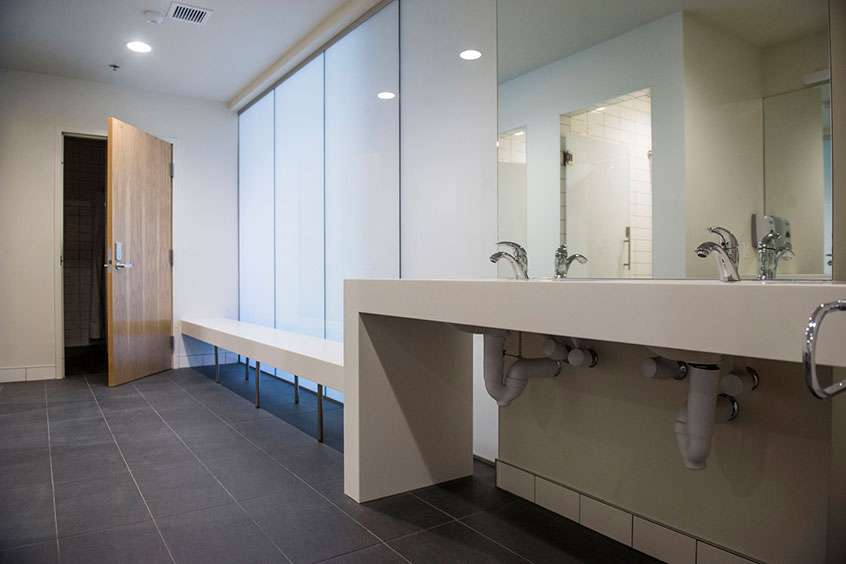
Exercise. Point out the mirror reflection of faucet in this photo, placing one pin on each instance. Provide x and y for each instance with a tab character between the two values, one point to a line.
519	260
563	261
774	243
726	252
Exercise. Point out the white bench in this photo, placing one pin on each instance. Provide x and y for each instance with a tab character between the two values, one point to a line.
316	359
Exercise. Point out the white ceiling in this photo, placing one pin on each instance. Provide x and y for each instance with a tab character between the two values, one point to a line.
533	33
81	38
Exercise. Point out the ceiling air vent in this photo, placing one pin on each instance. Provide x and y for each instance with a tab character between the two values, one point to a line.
189	14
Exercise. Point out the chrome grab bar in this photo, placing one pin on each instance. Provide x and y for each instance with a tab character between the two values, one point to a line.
809	347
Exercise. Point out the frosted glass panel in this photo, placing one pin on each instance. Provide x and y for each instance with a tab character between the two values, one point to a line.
255	213
362	159
299	201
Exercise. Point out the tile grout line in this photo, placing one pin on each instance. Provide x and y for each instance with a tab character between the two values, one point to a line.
203	464
131	474
460	520
297	476
52	479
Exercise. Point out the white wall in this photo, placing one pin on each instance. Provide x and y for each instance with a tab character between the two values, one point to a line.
650	56
448	155
32	109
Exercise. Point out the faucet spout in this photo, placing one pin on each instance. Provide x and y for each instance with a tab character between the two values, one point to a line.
726	266
516	265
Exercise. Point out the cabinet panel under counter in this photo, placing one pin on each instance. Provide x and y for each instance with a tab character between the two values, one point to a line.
605	432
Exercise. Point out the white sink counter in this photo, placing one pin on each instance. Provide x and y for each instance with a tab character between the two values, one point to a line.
749	318
408	390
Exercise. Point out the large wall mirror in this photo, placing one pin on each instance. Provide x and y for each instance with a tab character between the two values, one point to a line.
626	129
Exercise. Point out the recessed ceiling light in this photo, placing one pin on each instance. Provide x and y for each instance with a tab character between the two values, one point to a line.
139	47
386	95
518	133
599	109
470	54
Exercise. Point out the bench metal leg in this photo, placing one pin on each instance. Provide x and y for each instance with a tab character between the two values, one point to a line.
216	367
296	389
320	413
258	377
247	369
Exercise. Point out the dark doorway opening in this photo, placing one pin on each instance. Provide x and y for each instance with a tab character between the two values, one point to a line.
83	255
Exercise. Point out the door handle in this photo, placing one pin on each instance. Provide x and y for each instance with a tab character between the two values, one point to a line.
809	349
119	265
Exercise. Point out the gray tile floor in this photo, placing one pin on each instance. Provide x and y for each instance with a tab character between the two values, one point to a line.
175	468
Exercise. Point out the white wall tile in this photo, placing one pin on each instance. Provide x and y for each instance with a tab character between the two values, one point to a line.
516	481
707	554
609	521
12	374
41	373
663	543
557	498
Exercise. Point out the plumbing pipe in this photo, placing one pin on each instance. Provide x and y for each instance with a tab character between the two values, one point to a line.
582	357
505	390
582	354
739	381
661	368
695	420
556	350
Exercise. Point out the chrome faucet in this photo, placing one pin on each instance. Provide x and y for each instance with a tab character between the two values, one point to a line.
728	242
519	261
726	253
766	256
563	262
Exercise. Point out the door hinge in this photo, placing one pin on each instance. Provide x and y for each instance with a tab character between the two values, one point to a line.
171	170
171	257
172	342
566	158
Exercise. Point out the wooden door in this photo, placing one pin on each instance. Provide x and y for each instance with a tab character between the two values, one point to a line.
138	243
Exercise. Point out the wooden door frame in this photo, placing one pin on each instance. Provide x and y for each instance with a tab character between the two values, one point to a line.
59	243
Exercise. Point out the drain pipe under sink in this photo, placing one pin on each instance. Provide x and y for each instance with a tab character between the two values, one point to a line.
695	420
505	390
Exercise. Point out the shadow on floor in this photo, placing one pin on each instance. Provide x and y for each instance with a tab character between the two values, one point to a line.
277	398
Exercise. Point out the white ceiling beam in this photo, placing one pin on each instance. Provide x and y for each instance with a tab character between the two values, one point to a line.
335	23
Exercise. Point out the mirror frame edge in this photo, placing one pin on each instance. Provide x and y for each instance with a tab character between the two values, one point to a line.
837	52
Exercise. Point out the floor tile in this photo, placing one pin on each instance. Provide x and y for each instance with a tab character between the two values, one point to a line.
33	411
137	423
68	390
379	554
313	462
26	516
174	489
22	391
273	434
98	503
138	543
78	432
307	527
389	517
154	450
23	435
452	542
122	404
544	537
223	534
41	553
24	468
464	496
71	463
61	411
248	472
